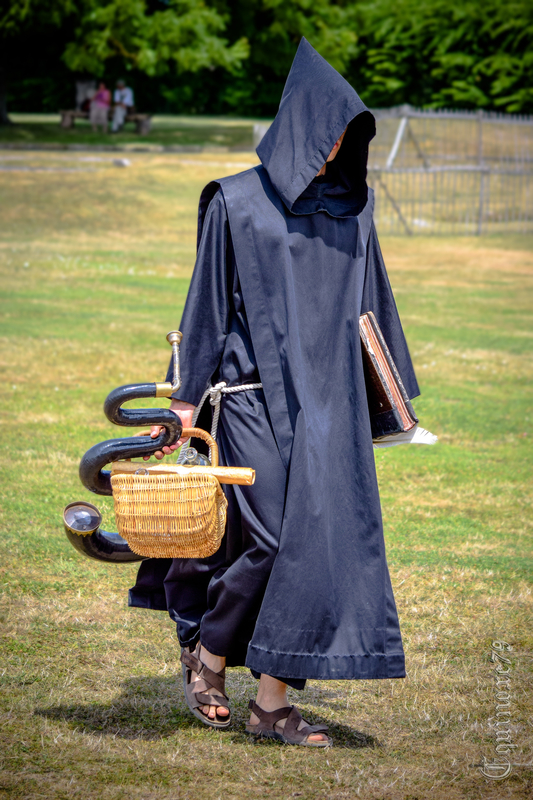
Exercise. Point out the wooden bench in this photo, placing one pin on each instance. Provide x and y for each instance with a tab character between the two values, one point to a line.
143	122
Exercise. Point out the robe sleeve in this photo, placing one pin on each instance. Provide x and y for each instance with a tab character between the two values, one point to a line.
204	323
378	297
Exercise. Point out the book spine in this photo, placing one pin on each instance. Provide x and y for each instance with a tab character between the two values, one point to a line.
377	349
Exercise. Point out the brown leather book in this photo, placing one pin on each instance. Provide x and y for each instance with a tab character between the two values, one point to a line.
389	406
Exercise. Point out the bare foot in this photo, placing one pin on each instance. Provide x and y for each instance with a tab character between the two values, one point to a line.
271	695
217	664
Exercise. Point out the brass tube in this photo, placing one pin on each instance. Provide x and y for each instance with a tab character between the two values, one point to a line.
174	339
163	389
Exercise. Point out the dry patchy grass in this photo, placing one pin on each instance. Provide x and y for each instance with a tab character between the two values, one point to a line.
95	267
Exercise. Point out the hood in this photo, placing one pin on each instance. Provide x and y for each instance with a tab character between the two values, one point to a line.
316	106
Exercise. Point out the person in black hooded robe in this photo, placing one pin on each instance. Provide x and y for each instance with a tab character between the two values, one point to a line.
288	259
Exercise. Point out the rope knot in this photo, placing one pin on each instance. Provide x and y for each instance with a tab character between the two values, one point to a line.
215	397
215	393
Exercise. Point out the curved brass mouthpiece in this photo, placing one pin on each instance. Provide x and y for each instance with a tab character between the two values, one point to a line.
174	339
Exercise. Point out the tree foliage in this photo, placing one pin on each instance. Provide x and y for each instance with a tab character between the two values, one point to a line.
17	19
434	53
17	15
185	34
274	29
151	37
219	56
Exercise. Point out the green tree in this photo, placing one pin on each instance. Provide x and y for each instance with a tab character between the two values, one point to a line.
152	37
17	18
433	53
274	29
429	53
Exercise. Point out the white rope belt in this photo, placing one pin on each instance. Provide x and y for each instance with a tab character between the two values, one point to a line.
215	394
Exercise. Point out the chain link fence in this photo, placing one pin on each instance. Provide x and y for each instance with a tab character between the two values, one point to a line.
452	172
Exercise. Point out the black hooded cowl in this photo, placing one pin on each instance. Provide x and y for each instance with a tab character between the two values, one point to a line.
286	264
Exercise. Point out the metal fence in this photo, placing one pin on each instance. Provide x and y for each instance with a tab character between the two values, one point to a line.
457	172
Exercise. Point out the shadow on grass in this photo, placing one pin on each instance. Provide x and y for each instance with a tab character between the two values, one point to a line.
154	708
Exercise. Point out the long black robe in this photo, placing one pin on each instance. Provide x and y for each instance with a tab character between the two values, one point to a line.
286	264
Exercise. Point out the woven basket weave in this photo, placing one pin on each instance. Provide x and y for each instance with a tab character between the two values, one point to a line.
171	516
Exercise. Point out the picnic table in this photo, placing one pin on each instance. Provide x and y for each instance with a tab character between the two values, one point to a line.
143	122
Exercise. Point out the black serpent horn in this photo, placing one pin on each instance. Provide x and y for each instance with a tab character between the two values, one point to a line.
82	520
92	474
82	523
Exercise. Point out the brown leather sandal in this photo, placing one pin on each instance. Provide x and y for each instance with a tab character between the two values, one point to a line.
197	692
289	734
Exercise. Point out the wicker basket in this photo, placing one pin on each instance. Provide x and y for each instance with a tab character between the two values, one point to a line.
171	516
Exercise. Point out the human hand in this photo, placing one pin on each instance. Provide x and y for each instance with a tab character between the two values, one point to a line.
185	412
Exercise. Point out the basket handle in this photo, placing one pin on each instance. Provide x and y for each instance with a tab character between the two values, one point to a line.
195	433
199	433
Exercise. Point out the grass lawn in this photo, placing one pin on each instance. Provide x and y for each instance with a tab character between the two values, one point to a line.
167	130
95	263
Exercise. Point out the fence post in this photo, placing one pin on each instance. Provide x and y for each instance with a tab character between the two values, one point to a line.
482	189
260	128
480	137
396	144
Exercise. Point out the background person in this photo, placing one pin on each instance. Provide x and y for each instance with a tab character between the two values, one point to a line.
99	110
123	99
